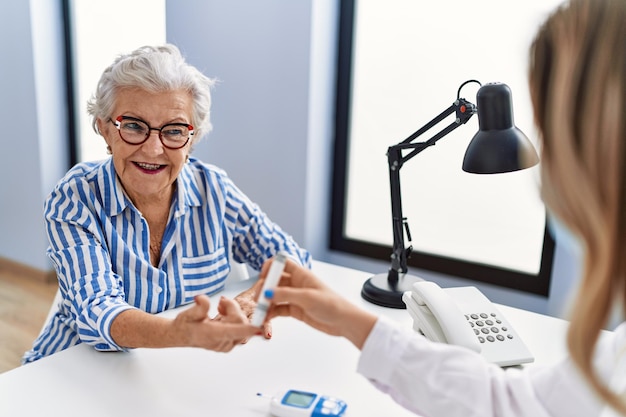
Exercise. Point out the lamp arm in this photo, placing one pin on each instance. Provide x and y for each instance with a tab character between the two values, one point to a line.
464	111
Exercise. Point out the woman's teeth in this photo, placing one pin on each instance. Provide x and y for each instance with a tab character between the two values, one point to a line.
150	167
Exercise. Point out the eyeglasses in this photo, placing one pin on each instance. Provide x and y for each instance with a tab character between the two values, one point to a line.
135	132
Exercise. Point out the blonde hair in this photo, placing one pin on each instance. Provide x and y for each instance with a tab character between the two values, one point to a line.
578	88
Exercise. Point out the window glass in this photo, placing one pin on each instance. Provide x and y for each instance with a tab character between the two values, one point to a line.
408	60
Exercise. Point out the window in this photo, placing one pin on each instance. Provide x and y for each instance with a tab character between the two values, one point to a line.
99	31
400	64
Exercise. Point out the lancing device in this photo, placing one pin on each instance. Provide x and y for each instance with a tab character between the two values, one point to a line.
271	281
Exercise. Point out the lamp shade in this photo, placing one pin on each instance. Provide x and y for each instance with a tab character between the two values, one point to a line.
499	146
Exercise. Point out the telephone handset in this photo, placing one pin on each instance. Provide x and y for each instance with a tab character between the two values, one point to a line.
464	316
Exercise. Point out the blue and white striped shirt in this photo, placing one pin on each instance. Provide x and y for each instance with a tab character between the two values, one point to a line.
100	247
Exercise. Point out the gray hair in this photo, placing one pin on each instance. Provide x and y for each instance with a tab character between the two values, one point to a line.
154	69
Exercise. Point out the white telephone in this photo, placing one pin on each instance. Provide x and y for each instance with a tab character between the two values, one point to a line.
464	316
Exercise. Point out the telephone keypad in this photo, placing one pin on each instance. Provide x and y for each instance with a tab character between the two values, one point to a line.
488	329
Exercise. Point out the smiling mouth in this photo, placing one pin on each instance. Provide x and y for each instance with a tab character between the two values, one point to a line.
149	167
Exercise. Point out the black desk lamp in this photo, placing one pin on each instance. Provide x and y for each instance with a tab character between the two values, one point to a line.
498	147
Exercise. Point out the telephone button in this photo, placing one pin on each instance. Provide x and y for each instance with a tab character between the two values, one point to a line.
330	404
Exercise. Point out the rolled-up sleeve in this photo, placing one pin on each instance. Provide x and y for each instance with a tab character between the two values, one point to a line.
93	294
255	237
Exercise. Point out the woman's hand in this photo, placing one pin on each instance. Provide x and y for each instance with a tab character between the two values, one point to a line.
303	296
221	335
247	303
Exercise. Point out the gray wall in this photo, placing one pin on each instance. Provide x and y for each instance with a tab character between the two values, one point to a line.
32	100
273	116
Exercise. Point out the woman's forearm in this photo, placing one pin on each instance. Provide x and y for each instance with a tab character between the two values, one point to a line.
357	325
136	328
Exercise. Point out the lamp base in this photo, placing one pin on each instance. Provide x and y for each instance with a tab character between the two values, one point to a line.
377	290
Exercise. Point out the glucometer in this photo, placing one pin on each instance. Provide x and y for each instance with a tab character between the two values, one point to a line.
296	403
271	281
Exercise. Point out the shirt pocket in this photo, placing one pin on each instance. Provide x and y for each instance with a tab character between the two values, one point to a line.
204	274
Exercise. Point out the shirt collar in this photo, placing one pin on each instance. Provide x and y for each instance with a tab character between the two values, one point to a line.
115	199
113	196
187	182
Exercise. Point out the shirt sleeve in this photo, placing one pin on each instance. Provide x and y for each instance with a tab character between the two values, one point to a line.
256	238
93	294
435	379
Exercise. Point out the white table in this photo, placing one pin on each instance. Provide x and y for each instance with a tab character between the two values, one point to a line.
192	382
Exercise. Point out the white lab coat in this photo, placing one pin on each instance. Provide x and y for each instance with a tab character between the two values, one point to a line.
435	379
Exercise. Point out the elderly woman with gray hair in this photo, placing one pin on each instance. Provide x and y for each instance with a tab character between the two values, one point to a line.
151	228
